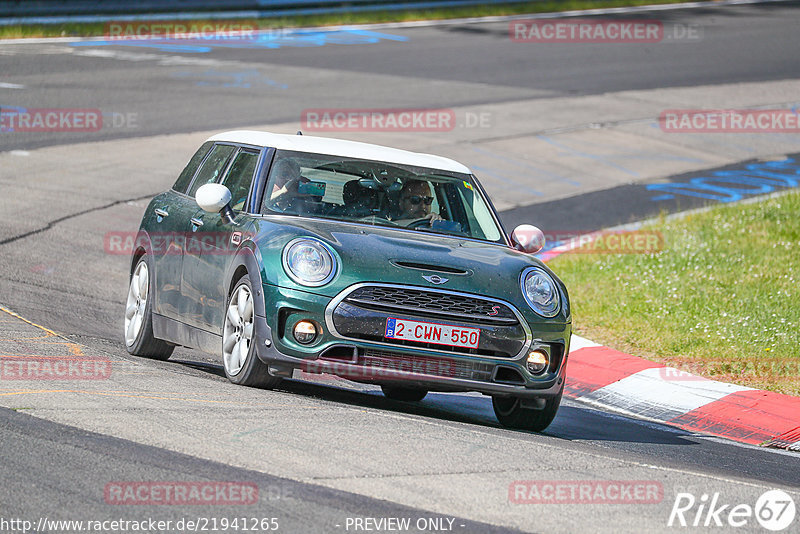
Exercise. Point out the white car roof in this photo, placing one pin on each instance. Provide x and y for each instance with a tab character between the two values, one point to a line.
340	147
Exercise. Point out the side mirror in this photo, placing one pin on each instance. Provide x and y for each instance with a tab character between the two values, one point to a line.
527	238
215	198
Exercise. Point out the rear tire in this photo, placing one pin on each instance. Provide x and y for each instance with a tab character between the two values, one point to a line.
511	414
239	358
139	339
404	394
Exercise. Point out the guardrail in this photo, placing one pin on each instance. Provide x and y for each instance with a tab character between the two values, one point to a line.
58	11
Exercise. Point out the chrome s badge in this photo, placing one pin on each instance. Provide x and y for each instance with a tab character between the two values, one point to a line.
435	279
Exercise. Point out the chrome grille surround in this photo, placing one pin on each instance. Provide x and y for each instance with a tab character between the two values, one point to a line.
427	302
329	310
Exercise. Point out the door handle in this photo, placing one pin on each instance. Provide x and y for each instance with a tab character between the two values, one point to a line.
196	221
161	213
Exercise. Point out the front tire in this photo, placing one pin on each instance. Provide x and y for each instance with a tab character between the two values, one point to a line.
404	394
139	339
511	414
239	358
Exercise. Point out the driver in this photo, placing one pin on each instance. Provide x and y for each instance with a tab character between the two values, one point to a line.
415	202
286	180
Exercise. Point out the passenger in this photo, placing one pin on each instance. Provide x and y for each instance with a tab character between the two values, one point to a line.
360	201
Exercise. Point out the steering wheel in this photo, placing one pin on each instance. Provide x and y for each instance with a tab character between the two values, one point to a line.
281	205
419	223
376	219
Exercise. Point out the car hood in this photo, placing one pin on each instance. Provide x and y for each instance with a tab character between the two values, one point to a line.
387	255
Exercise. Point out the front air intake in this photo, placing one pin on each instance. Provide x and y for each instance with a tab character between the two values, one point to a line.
430	267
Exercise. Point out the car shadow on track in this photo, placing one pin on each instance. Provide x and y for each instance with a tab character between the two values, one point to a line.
574	422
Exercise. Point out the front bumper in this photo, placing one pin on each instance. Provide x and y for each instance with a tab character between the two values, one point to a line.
409	366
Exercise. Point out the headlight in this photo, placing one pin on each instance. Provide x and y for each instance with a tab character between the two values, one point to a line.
309	262
540	291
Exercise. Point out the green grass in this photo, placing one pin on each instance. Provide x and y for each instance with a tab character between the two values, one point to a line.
514	8
722	299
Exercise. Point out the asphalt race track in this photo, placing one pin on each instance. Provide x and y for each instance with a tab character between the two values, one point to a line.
562	135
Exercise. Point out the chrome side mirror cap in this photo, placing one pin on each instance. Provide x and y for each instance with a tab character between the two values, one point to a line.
527	238
213	197
216	198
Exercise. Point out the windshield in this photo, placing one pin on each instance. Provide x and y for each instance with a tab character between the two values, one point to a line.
377	193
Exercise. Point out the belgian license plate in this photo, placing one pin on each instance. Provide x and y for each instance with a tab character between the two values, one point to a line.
441	334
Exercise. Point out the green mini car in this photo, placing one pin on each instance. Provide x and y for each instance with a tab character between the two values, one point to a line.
292	254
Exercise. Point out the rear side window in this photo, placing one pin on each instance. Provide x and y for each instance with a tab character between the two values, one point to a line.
186	176
213	166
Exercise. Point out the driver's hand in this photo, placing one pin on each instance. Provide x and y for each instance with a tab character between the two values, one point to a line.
292	186
429	218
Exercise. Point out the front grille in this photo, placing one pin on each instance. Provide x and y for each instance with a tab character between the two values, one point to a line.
434	303
363	312
443	367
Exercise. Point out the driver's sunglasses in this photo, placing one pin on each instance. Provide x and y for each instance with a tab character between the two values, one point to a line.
416	199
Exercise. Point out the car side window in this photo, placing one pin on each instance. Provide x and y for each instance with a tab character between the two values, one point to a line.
239	178
212	167
188	172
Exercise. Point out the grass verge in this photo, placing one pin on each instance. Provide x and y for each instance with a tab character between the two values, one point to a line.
722	300
369	17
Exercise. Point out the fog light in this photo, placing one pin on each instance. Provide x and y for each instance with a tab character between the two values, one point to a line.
537	361
305	332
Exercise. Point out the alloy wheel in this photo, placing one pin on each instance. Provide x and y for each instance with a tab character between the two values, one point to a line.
137	302
238	332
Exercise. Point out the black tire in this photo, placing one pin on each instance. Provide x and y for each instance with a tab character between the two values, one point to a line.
145	344
404	394
253	372
511	414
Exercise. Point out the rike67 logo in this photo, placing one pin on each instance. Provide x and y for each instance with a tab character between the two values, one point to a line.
774	510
